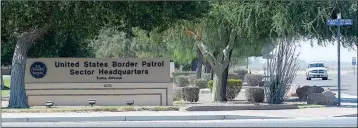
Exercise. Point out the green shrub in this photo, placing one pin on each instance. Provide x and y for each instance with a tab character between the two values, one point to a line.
176	98
233	88
253	79
182	81
241	73
255	94
201	83
190	93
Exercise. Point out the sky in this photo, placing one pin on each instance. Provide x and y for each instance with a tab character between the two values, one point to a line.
316	53
321	53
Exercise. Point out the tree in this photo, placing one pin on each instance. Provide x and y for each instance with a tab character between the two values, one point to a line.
260	22
26	22
306	20
111	43
225	27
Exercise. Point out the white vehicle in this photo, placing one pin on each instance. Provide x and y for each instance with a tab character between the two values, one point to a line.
316	70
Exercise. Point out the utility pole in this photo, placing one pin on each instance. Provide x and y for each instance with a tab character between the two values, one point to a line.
339	22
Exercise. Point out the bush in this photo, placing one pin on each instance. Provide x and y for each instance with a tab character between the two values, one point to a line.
233	76
233	88
175	74
241	73
201	83
206	76
190	93
177	92
253	79
261	83
191	79
182	81
255	94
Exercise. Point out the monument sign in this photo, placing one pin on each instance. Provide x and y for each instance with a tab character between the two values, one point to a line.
72	81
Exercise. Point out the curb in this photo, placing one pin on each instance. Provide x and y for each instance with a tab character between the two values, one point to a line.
136	118
244	107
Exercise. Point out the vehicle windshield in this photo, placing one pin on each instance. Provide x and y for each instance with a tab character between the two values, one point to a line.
316	65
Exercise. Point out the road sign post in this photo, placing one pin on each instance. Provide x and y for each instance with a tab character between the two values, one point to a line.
339	22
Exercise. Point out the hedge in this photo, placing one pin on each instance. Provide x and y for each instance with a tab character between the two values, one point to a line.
233	88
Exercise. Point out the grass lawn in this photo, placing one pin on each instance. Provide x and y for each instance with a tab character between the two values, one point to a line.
6	92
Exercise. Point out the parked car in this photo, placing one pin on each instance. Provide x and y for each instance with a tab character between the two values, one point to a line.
316	70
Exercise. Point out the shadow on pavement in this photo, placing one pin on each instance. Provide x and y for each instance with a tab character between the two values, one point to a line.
348	106
349	100
318	79
323	86
336	89
350	115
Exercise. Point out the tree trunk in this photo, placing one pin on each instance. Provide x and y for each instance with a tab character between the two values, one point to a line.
212	74
2	83
212	69
18	97
224	80
207	67
218	67
247	63
194	64
217	88
199	64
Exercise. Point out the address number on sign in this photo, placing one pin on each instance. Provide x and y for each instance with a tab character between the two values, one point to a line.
108	85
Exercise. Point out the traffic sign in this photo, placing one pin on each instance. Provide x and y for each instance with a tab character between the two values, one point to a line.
339	22
354	61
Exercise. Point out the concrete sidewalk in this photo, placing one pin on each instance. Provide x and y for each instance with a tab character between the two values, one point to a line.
348	100
178	115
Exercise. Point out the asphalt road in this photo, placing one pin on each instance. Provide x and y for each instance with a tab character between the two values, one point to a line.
348	82
318	122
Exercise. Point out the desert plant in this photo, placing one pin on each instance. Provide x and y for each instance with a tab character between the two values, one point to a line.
241	73
182	81
253	79
190	93
201	83
255	94
282	70
233	88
